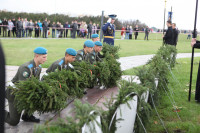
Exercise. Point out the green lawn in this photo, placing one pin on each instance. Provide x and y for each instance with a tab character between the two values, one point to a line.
19	51
189	112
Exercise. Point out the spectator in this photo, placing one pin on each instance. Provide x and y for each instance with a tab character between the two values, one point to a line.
175	34
37	30
127	32
57	29
26	26
40	27
168	37
10	27
53	29
89	27
131	32
94	29
74	29
136	31
78	29
19	27
48	29
61	30
23	29
122	33
98	28
146	33
71	29
66	26
45	27
5	26
30	25
189	35
14	28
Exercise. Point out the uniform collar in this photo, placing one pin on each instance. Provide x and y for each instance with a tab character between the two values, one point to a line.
33	62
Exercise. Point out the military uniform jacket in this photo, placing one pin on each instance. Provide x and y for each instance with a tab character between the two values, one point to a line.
27	70
93	56
109	30
59	65
81	55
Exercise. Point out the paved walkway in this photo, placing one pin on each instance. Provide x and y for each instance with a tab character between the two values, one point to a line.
126	63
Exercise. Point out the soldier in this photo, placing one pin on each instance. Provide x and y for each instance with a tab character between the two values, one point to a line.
109	30
64	63
94	55
88	47
25	71
95	37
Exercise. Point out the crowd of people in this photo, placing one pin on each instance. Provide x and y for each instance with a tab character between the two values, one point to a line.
26	28
127	32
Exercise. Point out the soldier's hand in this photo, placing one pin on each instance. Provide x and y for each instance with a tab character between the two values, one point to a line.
193	42
109	20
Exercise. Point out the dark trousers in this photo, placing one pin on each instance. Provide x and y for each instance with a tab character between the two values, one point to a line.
4	32
30	32
136	36
37	33
12	117
197	92
0	29
9	33
14	31
89	34
130	36
19	32
74	34
53	33
65	33
146	36
44	33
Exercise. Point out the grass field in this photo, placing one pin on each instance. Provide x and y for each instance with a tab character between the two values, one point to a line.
189	112
19	51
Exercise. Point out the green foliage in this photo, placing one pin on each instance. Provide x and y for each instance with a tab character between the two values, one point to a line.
111	50
71	125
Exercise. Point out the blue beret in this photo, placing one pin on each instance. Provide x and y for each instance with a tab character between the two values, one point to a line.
89	43
95	35
71	51
113	16
40	50
98	43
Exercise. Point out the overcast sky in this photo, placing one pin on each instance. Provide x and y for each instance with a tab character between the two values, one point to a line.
150	12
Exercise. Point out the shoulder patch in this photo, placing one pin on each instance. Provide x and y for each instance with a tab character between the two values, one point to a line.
30	65
81	53
25	74
40	66
61	62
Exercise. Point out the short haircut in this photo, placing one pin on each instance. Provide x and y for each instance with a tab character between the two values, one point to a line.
169	21
174	24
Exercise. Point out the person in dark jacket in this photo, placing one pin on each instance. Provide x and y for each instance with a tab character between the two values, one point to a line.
5	27
175	34
66	26
168	37
89	27
196	44
0	26
19	26
136	31
45	27
74	29
14	28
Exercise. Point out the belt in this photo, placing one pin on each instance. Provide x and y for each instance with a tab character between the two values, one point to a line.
109	37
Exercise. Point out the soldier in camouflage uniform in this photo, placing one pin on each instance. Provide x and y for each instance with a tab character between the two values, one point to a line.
94	55
25	71
64	63
82	54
